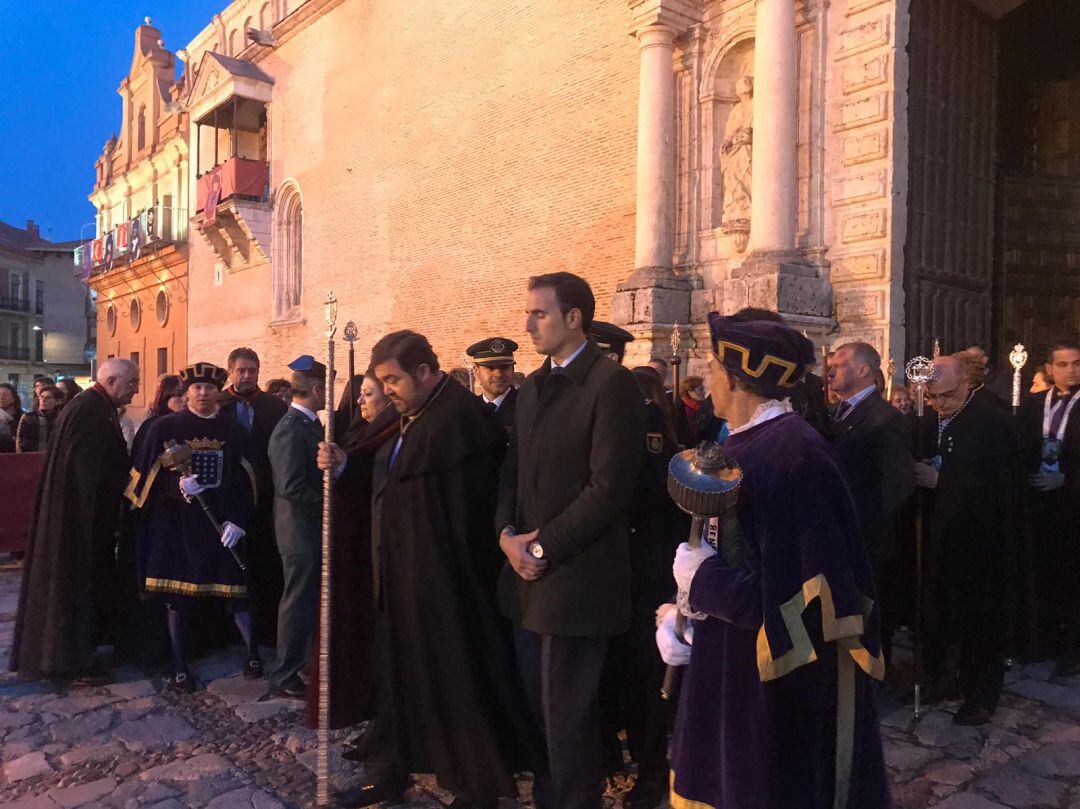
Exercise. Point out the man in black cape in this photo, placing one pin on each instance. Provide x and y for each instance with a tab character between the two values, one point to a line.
447	696
69	575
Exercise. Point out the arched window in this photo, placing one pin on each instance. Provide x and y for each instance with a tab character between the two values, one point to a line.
135	314
140	138
266	18
233	50
161	306
288	252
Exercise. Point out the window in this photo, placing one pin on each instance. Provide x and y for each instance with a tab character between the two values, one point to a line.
16	287
141	136
135	357
14	335
39	346
39	297
110	319
288	252
161	307
135	313
162	361
233	49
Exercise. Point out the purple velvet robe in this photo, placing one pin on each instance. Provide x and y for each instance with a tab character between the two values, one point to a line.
777	706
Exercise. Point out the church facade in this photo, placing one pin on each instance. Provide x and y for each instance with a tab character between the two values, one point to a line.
892	171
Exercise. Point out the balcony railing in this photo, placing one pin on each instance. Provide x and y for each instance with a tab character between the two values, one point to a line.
10	304
16	353
236	178
156	226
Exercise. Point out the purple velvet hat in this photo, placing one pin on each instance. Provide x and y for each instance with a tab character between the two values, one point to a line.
771	356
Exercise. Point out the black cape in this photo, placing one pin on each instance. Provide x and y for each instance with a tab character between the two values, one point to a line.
449	686
65	603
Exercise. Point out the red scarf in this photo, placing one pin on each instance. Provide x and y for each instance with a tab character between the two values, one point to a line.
693	405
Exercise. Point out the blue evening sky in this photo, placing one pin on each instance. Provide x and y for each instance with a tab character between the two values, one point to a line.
60	64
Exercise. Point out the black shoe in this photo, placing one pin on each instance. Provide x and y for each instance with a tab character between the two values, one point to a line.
181	683
647	793
972	715
292	688
253	669
391	788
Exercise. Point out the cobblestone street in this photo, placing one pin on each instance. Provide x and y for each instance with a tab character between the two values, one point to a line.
132	744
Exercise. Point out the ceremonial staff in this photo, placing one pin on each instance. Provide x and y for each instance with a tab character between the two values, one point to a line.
676	361
1017	359
350	334
322	764
470	369
703	482
919	372
890	372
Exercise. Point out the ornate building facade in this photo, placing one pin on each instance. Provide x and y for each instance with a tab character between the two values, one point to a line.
136	265
885	170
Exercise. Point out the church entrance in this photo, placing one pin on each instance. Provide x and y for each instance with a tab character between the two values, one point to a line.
993	234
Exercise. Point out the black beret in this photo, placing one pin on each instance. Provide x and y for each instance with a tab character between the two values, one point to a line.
609	337
204	372
771	356
493	351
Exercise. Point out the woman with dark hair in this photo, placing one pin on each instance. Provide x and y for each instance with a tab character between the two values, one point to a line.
168	398
36	426
280	388
11	414
69	389
352	621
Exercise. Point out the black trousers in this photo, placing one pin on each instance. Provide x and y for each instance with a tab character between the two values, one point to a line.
978	629
561	677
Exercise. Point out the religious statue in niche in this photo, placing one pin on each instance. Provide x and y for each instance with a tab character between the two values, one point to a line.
736	163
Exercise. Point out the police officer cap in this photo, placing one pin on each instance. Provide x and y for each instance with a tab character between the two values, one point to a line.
204	372
308	366
493	351
609	338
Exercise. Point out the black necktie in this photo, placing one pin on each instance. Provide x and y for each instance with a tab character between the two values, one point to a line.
841	410
494	408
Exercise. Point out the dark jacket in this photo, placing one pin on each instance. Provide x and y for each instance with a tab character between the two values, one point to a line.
872	447
298	493
505	414
570	472
268	411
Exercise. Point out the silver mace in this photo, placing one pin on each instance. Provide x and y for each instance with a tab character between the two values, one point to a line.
919	371
322	763
703	482
1017	359
350	334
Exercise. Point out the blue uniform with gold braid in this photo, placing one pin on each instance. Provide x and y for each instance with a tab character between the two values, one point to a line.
180	552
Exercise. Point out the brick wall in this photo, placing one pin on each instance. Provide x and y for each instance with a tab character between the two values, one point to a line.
444	152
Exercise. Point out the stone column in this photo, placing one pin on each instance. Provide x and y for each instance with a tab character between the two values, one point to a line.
654	239
773	185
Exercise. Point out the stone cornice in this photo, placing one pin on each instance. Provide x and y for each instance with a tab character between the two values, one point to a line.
678	15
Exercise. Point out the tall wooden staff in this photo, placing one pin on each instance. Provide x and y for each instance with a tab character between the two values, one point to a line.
1017	359
919	371
676	361
350	334
890	372
322	764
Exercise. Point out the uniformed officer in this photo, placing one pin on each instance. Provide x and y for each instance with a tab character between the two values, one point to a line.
610	339
493	360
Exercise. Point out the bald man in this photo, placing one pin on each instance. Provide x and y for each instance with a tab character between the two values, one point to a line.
971	478
66	603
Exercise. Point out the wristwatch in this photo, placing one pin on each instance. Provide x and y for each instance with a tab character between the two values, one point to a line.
536	549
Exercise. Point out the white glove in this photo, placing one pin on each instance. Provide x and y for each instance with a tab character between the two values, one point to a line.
190	486
687	561
673	651
231	535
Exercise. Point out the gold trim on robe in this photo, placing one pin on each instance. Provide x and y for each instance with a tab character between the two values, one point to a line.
186	588
139	500
844	631
251	476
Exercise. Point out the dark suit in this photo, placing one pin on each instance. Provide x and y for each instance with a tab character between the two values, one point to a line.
264	563
298	529
1052	524
570	471
872	447
507	410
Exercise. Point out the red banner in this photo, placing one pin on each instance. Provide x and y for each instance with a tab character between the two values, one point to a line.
20	474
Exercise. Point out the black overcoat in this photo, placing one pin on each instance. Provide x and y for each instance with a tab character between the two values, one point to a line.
69	570
570	472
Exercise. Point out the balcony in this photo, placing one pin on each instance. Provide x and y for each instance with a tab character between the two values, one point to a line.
9	304
16	353
234	202
154	227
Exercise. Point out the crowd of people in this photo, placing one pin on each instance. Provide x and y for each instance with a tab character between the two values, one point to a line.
505	564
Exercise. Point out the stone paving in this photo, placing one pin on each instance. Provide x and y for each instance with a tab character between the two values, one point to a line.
132	744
